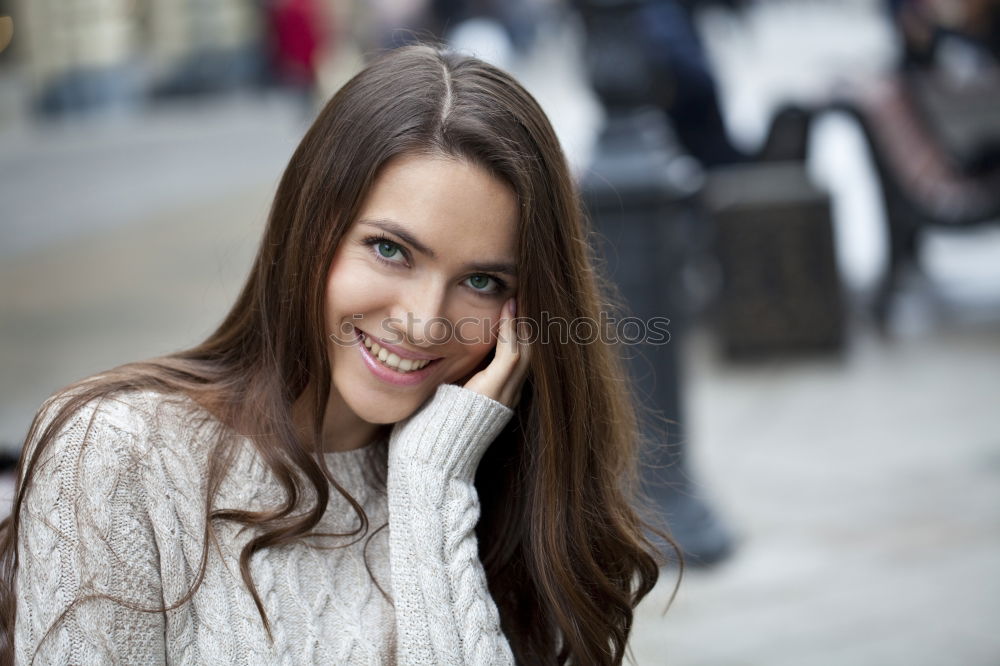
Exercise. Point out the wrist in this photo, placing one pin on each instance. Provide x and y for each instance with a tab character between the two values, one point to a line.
451	432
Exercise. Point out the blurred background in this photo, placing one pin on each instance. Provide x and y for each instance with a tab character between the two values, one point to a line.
808	189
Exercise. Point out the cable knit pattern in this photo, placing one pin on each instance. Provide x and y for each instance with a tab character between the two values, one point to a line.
117	509
433	508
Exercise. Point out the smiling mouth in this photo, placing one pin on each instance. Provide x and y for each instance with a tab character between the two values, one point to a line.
391	360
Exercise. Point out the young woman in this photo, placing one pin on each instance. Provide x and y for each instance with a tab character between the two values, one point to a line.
367	462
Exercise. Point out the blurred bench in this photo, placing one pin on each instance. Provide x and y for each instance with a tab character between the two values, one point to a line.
934	146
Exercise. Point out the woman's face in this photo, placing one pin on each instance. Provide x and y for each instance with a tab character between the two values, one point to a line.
422	274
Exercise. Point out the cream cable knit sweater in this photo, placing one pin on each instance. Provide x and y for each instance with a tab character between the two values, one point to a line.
117	507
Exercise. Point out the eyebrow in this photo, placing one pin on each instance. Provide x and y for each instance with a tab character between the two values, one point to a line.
397	229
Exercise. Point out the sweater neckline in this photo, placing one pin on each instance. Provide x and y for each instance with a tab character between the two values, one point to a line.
349	468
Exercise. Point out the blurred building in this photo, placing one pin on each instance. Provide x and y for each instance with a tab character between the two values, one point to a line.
83	55
76	54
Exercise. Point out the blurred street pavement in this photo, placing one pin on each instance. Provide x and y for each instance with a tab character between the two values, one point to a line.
865	495
127	240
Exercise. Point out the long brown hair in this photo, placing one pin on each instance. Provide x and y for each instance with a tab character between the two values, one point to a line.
561	540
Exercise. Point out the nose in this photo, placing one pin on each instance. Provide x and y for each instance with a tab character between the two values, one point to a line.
419	314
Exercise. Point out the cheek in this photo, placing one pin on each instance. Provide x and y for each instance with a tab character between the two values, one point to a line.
347	276
351	288
475	338
469	358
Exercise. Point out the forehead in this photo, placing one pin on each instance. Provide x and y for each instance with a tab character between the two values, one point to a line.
456	208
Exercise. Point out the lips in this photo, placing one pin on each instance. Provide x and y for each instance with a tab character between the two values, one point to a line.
386	363
395	349
391	359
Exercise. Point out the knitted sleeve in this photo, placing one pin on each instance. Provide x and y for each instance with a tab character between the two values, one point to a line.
84	536
444	611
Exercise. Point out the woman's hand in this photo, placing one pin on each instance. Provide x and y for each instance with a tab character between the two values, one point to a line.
502	379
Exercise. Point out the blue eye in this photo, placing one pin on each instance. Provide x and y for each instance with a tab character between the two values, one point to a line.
387	249
392	253
481	283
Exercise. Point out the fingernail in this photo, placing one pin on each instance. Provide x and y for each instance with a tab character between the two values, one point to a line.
513	307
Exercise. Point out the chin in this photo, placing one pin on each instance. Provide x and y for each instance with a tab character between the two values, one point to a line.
378	408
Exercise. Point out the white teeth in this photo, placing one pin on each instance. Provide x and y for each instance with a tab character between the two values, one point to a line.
392	360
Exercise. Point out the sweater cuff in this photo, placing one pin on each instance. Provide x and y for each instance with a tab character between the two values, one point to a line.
451	432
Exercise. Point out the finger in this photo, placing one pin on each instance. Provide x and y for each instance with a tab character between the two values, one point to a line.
502	378
519	372
515	347
506	355
491	379
512	391
507	349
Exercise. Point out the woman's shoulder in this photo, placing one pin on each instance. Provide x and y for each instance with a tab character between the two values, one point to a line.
122	426
133	410
136	453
